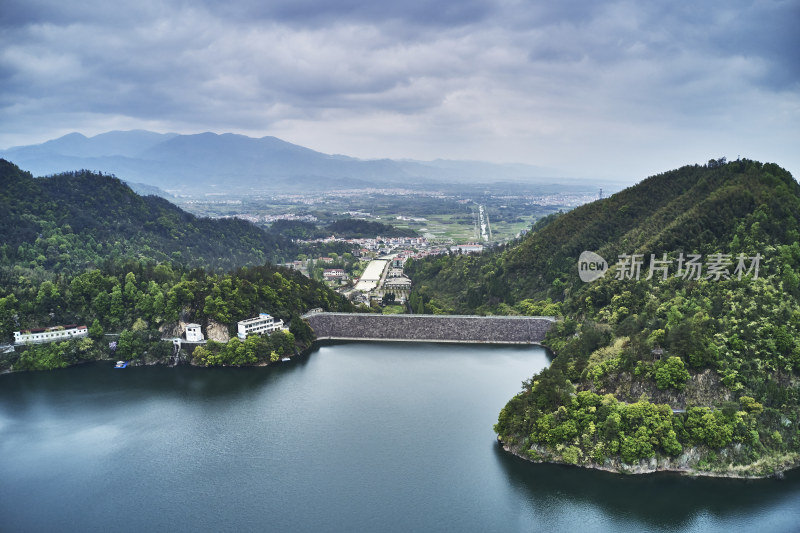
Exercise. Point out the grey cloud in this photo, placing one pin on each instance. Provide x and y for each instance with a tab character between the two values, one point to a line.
763	34
17	13
324	12
458	68
301	13
770	33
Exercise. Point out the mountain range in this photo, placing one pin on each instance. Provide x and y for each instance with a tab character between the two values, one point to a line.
231	162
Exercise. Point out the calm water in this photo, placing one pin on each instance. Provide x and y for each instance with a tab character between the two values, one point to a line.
355	437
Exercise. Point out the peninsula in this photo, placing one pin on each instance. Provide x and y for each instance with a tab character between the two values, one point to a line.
678	350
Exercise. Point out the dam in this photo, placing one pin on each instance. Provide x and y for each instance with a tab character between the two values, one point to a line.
430	328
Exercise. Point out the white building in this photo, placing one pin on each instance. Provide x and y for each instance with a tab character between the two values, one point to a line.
467	248
263	323
334	273
194	333
53	334
372	275
399	283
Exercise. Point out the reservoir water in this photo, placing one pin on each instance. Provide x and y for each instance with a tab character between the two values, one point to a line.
353	437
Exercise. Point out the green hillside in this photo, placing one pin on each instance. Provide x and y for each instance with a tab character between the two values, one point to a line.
83	248
365	229
718	348
691	208
72	221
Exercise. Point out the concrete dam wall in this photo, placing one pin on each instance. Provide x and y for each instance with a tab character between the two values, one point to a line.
430	328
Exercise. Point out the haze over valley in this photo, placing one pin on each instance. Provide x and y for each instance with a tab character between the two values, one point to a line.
203	163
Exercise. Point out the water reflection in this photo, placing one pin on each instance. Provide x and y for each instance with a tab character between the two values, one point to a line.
377	437
100	381
661	500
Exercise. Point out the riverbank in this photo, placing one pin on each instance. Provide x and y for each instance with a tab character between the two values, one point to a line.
56	355
600	415
218	350
685	464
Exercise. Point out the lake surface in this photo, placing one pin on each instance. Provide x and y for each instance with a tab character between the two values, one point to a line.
353	437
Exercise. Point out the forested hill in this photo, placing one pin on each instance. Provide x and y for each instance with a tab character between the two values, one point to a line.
365	229
346	228
680	368
709	208
82	248
73	221
705	209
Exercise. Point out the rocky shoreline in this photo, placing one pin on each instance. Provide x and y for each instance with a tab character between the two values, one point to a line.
679	465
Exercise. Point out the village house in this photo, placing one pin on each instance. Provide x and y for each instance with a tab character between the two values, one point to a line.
194	333
331	274
263	323
470	248
52	334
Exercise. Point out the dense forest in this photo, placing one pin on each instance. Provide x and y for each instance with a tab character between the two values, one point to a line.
144	301
73	221
345	228
685	354
83	248
366	229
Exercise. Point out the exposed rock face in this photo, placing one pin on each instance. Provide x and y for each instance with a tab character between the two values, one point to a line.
217	332
688	462
703	389
172	329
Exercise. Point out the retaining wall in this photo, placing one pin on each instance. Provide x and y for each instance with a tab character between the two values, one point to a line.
430	328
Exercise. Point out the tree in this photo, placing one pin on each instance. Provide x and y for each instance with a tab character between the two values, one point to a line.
158	305
707	427
301	330
47	299
672	373
128	344
96	330
117	310
202	356
130	288
656	338
8	310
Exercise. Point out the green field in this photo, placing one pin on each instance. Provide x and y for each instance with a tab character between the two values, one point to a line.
459	228
447	220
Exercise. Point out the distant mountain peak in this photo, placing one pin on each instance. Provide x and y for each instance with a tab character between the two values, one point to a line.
70	136
238	162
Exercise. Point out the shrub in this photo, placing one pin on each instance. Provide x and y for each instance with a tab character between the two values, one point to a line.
672	373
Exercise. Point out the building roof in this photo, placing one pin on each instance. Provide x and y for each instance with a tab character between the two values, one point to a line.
374	270
261	316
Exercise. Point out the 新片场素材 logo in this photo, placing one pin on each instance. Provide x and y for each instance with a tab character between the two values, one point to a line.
591	266
688	267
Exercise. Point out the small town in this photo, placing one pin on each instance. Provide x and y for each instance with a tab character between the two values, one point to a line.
373	273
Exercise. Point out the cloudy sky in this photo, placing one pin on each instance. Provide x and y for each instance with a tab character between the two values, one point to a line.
593	89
